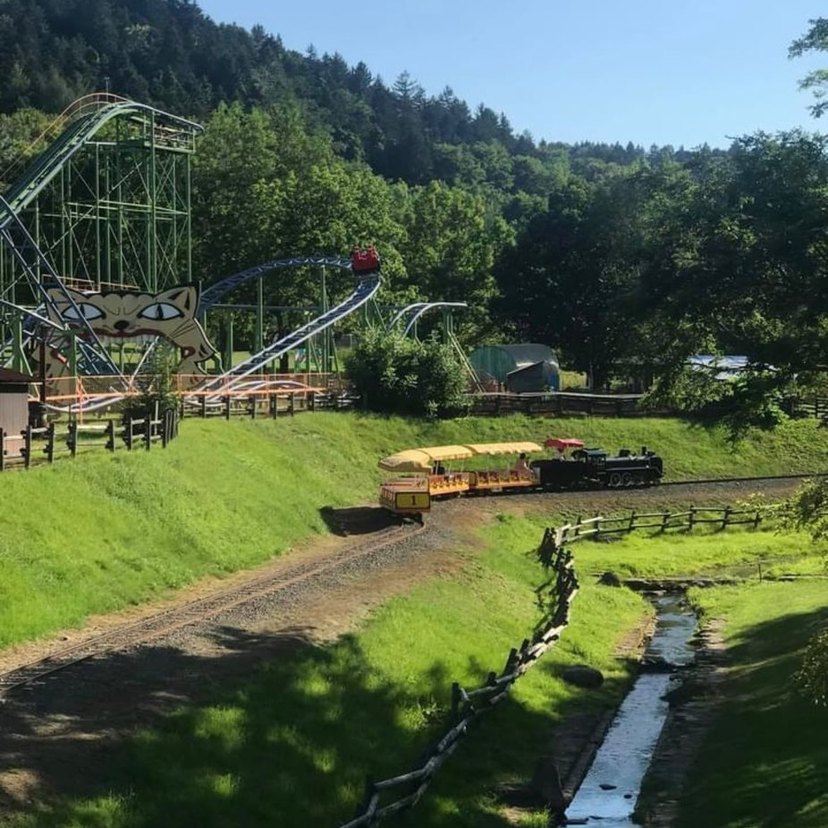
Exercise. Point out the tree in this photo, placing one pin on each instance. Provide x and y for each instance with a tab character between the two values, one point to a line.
814	40
396	375
738	263
570	279
812	677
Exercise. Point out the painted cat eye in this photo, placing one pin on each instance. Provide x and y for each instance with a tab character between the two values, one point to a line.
87	311
159	311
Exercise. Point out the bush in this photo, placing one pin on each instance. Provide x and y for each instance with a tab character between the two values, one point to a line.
396	375
812	678
808	509
157	382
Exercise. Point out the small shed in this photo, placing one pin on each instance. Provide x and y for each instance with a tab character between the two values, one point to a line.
14	407
523	367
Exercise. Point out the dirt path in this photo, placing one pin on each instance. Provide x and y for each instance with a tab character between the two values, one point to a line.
58	736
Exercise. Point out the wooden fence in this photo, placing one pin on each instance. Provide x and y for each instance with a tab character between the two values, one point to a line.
815	406
600	526
559	403
467	706
42	445
271	403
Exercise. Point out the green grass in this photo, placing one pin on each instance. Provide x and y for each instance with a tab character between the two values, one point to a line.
763	763
101	533
292	746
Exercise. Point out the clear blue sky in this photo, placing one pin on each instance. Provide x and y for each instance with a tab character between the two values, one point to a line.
647	71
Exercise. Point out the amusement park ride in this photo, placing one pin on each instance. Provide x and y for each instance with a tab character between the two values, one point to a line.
95	250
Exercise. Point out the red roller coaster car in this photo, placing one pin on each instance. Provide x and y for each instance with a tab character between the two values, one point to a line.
365	260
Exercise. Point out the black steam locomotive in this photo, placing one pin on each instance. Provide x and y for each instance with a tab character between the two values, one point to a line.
589	468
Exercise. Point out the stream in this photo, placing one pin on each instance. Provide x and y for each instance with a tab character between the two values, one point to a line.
608	794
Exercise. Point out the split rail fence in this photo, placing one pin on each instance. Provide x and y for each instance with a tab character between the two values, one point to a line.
559	403
34	446
389	796
392	795
263	404
600	526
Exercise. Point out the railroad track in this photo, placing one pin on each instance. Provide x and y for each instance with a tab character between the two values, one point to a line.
202	609
708	480
194	612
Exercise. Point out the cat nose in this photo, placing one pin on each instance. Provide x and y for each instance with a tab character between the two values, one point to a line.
121	325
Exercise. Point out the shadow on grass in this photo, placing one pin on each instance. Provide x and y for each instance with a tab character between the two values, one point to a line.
357	520
229	742
763	762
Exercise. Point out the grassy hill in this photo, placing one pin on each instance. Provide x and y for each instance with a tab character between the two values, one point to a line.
104	532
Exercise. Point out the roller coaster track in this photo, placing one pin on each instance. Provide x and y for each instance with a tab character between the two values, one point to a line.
84	118
216	292
81	121
410	314
198	611
366	288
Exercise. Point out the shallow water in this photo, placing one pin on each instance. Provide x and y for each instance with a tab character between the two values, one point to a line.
623	758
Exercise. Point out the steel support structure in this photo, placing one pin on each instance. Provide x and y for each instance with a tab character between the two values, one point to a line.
111	212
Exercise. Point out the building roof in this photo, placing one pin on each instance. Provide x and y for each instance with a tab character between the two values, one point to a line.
527	353
499	360
14	377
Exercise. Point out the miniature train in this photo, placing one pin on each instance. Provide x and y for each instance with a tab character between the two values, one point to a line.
422	475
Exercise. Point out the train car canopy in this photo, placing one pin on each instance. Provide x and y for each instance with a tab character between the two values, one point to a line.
563	444
422	459
504	448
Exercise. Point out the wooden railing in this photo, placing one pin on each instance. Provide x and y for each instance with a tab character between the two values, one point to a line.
389	796
271	403
42	445
600	526
815	406
559	403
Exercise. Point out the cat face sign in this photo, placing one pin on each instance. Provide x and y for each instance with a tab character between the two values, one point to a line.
170	314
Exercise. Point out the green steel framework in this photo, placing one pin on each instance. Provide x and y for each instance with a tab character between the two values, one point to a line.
112	214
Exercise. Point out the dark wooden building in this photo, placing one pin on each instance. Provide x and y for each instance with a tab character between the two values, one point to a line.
14	408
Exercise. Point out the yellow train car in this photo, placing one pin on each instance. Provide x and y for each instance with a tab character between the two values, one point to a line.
423	474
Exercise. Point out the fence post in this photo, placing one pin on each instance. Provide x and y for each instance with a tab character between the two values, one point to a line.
148	429
292	404
227	407
632	521
50	443
72	437
726	517
577	526
455	702
691	519
130	433
203	406
110	435
597	525
273	405
756	520
665	516
510	661
2	450
27	445
165	429
365	803
253	406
